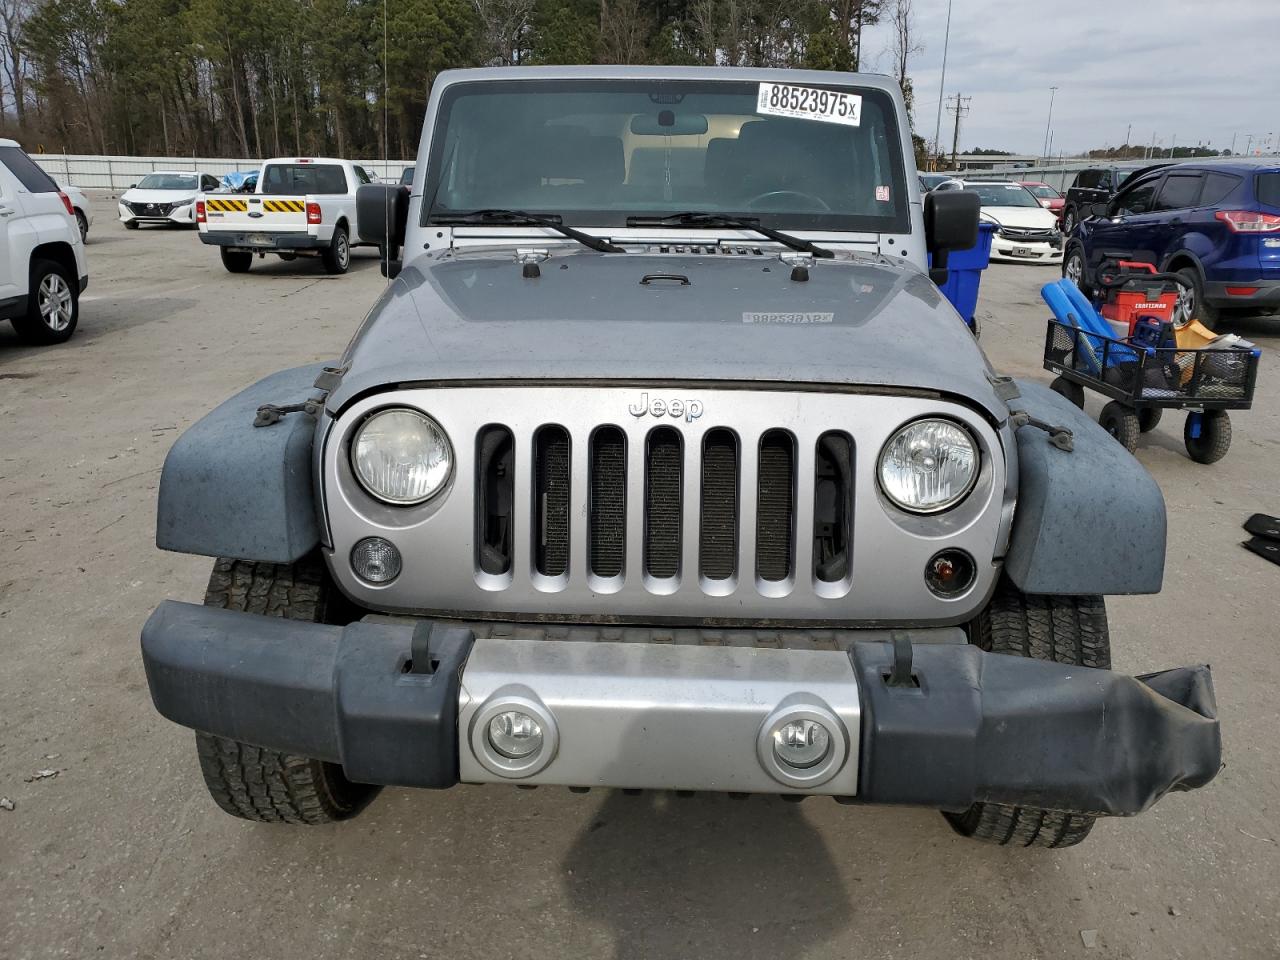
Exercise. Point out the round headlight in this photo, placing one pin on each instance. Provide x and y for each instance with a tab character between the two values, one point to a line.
928	465
401	456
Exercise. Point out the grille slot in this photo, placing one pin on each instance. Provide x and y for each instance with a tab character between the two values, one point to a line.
551	501
663	476
832	507
718	526
494	480
775	506
607	534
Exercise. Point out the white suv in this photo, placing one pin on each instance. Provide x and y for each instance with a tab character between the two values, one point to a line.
42	263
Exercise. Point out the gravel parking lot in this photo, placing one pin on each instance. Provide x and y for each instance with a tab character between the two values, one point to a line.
121	853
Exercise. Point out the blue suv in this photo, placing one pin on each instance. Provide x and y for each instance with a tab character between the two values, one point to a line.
1217	224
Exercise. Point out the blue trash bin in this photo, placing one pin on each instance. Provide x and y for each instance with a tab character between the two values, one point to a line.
964	273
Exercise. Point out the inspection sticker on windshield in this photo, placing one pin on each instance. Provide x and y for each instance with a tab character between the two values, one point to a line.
810	103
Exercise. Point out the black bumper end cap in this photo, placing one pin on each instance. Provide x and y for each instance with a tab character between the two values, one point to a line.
340	694
1004	729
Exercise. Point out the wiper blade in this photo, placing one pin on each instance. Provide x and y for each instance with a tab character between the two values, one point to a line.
519	217
694	219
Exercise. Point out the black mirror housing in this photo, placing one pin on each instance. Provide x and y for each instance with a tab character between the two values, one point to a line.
382	213
951	220
950	223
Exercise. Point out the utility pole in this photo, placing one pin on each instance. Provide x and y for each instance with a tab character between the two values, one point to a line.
942	86
1172	143
1052	93
961	109
1232	149
1126	135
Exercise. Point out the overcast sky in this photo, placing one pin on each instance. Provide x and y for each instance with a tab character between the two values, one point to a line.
1201	71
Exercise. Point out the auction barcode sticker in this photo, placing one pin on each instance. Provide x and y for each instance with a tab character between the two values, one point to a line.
810	103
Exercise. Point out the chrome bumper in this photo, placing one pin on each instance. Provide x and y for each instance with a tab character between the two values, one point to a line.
659	715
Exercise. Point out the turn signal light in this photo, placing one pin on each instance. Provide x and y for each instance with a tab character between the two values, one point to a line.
313	213
200	218
1249	221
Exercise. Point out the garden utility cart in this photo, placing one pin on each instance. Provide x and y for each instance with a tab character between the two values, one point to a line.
1144	353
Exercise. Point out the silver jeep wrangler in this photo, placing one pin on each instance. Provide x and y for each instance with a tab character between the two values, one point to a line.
663	463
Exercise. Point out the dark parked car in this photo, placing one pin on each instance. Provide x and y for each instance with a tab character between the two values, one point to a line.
1094	185
1217	224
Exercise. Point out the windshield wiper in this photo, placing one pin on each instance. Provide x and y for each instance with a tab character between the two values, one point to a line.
519	217
694	219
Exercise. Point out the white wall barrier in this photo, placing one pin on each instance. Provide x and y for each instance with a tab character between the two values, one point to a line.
117	173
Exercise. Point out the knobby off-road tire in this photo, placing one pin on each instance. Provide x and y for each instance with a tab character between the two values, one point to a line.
251	782
1122	423
1062	629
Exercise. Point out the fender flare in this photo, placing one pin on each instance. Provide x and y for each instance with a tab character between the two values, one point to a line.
1087	522
230	489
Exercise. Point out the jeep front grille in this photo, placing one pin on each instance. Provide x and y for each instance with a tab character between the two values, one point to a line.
594	503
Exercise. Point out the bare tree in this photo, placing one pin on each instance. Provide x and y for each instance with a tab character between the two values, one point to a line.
624	30
13	14
902	47
506	22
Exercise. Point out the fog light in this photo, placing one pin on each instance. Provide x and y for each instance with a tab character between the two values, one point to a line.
375	560
801	743
515	734
950	573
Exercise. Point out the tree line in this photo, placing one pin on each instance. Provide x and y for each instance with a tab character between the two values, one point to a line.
271	77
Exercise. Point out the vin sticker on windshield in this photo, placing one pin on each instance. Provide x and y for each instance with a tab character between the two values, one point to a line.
810	103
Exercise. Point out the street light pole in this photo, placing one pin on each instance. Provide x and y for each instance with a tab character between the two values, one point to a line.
1052	92
942	86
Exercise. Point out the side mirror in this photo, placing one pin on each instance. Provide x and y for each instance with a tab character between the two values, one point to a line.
131	186
1099	209
382	214
950	223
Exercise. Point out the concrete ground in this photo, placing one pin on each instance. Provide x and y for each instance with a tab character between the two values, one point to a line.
121	853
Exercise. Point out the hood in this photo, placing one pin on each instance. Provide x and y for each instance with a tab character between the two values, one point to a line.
472	316
1032	218
157	196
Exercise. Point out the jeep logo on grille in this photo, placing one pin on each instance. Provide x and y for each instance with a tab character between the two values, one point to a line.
675	407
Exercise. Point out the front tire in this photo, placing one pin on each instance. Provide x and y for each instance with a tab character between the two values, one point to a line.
1069	220
53	304
337	259
1062	629
236	261
252	782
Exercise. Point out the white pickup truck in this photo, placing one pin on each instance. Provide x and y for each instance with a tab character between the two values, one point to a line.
304	206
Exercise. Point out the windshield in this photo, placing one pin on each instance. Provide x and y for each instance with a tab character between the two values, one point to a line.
1043	191
167	181
599	151
1002	194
